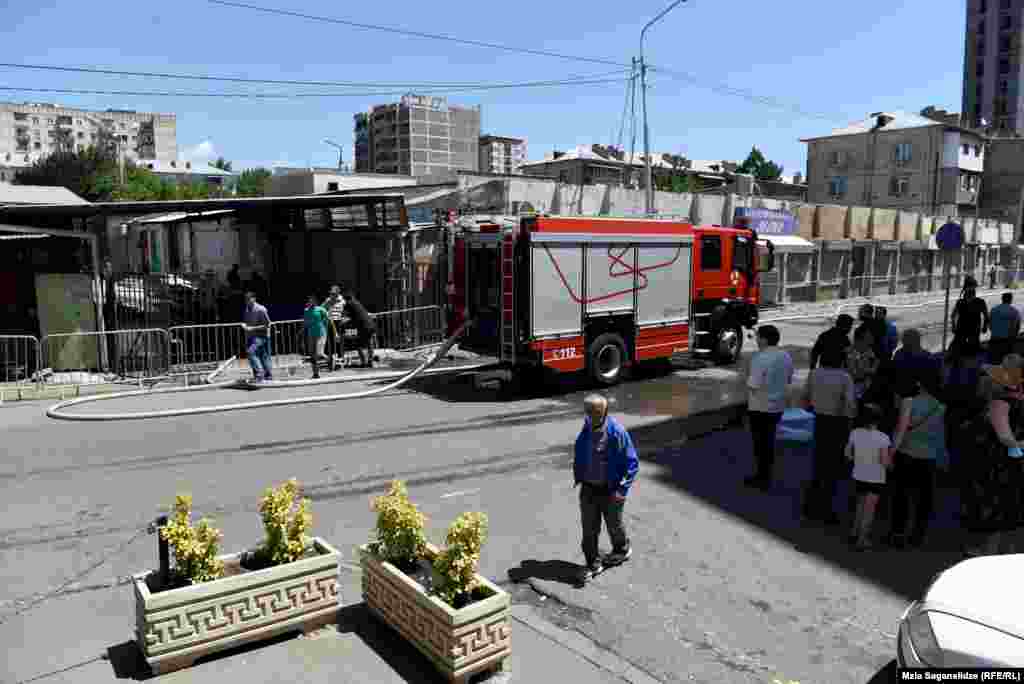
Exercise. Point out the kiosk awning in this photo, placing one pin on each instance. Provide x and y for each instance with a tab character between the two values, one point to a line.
789	243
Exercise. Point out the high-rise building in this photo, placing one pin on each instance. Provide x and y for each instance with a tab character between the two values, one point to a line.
419	136
29	132
501	155
993	96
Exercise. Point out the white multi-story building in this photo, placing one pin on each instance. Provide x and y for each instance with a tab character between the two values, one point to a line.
501	155
31	131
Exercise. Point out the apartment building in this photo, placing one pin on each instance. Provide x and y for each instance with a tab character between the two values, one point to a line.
501	155
993	70
418	136
916	162
30	131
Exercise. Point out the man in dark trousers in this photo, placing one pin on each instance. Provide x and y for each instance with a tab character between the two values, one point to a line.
970	316
1005	321
835	339
605	464
364	324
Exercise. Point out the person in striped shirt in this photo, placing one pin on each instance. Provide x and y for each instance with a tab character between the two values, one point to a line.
335	306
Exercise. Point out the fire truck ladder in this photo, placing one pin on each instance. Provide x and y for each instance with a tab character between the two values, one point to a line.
703	335
508	299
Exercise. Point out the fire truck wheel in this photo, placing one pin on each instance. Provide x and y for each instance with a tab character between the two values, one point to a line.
728	344
606	358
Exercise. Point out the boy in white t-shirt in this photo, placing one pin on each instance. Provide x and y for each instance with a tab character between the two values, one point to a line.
871	452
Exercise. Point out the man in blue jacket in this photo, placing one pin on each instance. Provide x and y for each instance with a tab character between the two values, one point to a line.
605	464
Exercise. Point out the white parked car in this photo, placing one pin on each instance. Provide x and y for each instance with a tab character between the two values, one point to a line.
972	615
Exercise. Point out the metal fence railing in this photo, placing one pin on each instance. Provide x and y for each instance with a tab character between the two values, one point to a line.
204	347
142	354
410	328
19	359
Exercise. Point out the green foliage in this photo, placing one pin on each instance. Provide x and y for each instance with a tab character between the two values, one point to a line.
456	566
400	538
222	164
254	182
195	548
284	523
761	168
89	174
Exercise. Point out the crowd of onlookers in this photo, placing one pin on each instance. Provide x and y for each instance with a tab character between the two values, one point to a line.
893	417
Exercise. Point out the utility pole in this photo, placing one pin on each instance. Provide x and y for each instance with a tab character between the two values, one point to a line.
340	154
649	189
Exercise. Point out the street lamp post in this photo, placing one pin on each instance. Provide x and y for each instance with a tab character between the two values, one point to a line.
340	157
649	189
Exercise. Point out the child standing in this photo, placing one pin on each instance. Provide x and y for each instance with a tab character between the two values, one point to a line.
870	449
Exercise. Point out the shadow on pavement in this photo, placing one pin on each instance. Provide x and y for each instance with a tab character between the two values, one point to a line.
887	674
551	571
392	648
712	469
128	662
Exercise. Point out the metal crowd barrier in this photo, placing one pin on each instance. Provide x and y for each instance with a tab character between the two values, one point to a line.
19	359
204	347
287	344
403	329
79	357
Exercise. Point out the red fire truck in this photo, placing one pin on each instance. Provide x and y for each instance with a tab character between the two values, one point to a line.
599	294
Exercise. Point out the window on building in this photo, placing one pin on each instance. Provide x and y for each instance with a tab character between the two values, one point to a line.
1006	4
902	153
838	157
983	6
81	135
710	253
35	120
979	91
1005	42
1005	22
898	186
332	187
1004	66
967	149
1004	87
1011	123
981	47
979	70
837	187
18	116
38	145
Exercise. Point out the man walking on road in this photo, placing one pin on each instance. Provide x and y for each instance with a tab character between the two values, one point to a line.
605	464
315	322
257	329
835	339
1005	328
771	371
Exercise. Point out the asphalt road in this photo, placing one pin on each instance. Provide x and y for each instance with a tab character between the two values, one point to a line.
725	586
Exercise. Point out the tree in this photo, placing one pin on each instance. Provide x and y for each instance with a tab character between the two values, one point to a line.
254	182
222	164
90	174
758	166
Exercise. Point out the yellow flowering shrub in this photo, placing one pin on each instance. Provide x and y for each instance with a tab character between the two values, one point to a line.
195	548
284	523
400	538
455	567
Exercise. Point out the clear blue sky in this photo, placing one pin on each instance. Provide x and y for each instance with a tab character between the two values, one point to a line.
844	60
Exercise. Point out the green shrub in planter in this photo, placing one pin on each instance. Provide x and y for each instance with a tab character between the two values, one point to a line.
285	530
195	548
400	537
455	567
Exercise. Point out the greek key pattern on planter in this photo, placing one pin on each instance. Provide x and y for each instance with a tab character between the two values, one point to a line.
490	635
241	612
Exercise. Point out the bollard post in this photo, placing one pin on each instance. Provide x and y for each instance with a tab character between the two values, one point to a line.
164	551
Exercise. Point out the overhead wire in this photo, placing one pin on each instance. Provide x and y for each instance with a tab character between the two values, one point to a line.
261	81
625	109
287	96
720	88
418	34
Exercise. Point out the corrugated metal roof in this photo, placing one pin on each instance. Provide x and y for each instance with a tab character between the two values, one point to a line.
38	194
183	216
179	167
899	120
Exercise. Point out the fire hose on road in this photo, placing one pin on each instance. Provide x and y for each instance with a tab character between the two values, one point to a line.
59	411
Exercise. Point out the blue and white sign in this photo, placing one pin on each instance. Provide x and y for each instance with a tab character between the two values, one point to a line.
767	221
950	236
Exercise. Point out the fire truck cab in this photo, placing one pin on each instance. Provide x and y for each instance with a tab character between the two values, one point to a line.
599	294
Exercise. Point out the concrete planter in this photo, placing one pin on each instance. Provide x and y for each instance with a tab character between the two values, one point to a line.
459	642
176	627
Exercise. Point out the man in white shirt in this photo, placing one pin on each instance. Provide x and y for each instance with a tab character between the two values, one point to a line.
771	370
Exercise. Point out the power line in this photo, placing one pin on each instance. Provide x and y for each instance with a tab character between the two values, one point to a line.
625	108
288	96
723	89
419	34
234	79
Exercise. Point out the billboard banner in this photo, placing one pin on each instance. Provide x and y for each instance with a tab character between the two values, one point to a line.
767	221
